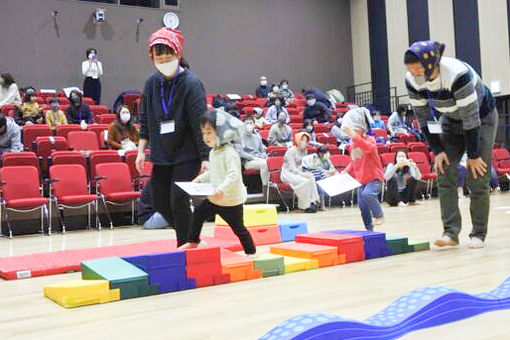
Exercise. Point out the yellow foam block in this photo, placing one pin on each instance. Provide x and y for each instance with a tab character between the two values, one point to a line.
81	293
255	215
295	264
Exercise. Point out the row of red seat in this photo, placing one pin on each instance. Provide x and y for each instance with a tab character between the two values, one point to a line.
69	188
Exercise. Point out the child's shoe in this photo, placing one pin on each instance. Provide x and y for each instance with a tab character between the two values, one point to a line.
379	220
252	256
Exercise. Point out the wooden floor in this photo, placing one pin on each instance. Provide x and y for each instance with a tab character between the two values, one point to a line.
246	310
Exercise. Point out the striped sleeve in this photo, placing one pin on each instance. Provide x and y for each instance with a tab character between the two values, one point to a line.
464	92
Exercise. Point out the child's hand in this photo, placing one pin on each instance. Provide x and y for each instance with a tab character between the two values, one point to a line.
217	194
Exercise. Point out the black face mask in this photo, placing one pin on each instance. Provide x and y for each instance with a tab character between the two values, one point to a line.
76	101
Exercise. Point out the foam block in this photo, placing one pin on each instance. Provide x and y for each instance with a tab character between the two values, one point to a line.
132	281
271	265
296	264
81	293
238	266
398	245
260	235
289	229
419	245
350	245
255	215
204	266
374	241
165	270
326	255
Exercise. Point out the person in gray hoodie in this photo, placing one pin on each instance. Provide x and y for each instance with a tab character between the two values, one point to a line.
253	151
10	135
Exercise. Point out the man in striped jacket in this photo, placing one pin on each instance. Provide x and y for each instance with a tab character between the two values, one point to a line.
456	113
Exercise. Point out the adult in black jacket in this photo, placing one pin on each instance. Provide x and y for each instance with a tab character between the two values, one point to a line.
78	112
316	110
172	103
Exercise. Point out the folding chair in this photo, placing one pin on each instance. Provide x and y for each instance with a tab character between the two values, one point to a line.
21	192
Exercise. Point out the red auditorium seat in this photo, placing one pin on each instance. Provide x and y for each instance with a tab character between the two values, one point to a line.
68	157
501	160
63	130
102	156
98	128
276	150
418	147
21	193
106	118
326	138
115	187
387	158
25	158
422	162
83	140
69	190
274	165
31	132
340	161
396	147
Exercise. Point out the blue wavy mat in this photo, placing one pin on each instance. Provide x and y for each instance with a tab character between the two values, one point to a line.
420	308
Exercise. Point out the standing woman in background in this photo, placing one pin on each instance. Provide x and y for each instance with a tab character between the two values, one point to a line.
92	69
172	103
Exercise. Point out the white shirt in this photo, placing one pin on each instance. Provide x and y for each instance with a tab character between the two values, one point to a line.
10	95
93	69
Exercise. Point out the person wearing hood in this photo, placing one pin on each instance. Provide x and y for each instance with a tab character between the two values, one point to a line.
316	110
253	152
219	131
78	112
302	182
122	134
280	133
263	90
457	114
10	135
365	165
173	101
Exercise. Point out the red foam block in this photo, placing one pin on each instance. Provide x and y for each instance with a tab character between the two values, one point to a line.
350	245
260	235
204	265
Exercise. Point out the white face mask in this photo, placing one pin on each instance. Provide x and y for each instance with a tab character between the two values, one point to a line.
311	102
263	82
249	128
168	69
125	117
400	159
302	144
276	89
91	56
285	86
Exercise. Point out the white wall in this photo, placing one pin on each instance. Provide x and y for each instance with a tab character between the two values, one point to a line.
360	42
398	42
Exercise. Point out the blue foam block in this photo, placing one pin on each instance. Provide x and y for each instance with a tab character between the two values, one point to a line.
418	309
289	229
167	270
374	242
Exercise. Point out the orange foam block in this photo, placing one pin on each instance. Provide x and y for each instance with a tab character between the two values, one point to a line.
238	266
350	245
326	255
261	235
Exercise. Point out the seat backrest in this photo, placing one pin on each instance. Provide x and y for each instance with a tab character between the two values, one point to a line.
63	130
98	129
21	159
387	158
45	145
31	132
276	150
380	133
382	148
264	134
395	147
103	156
340	162
98	110
68	157
19	182
421	161
89	101
130	157
275	163
321	128
70	179
116	177
83	140
500	154
106	118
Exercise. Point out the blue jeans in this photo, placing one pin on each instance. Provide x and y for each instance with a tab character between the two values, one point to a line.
368	202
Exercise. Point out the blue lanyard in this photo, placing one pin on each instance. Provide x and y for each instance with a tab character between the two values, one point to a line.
431	106
167	106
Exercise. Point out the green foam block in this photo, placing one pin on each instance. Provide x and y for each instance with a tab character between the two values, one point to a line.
271	265
132	281
419	245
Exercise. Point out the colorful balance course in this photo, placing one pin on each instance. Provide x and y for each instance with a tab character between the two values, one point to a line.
122	274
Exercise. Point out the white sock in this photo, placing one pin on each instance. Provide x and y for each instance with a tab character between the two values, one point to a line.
476	243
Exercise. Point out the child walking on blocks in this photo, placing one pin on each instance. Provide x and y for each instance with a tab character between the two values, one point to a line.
219	129
365	165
